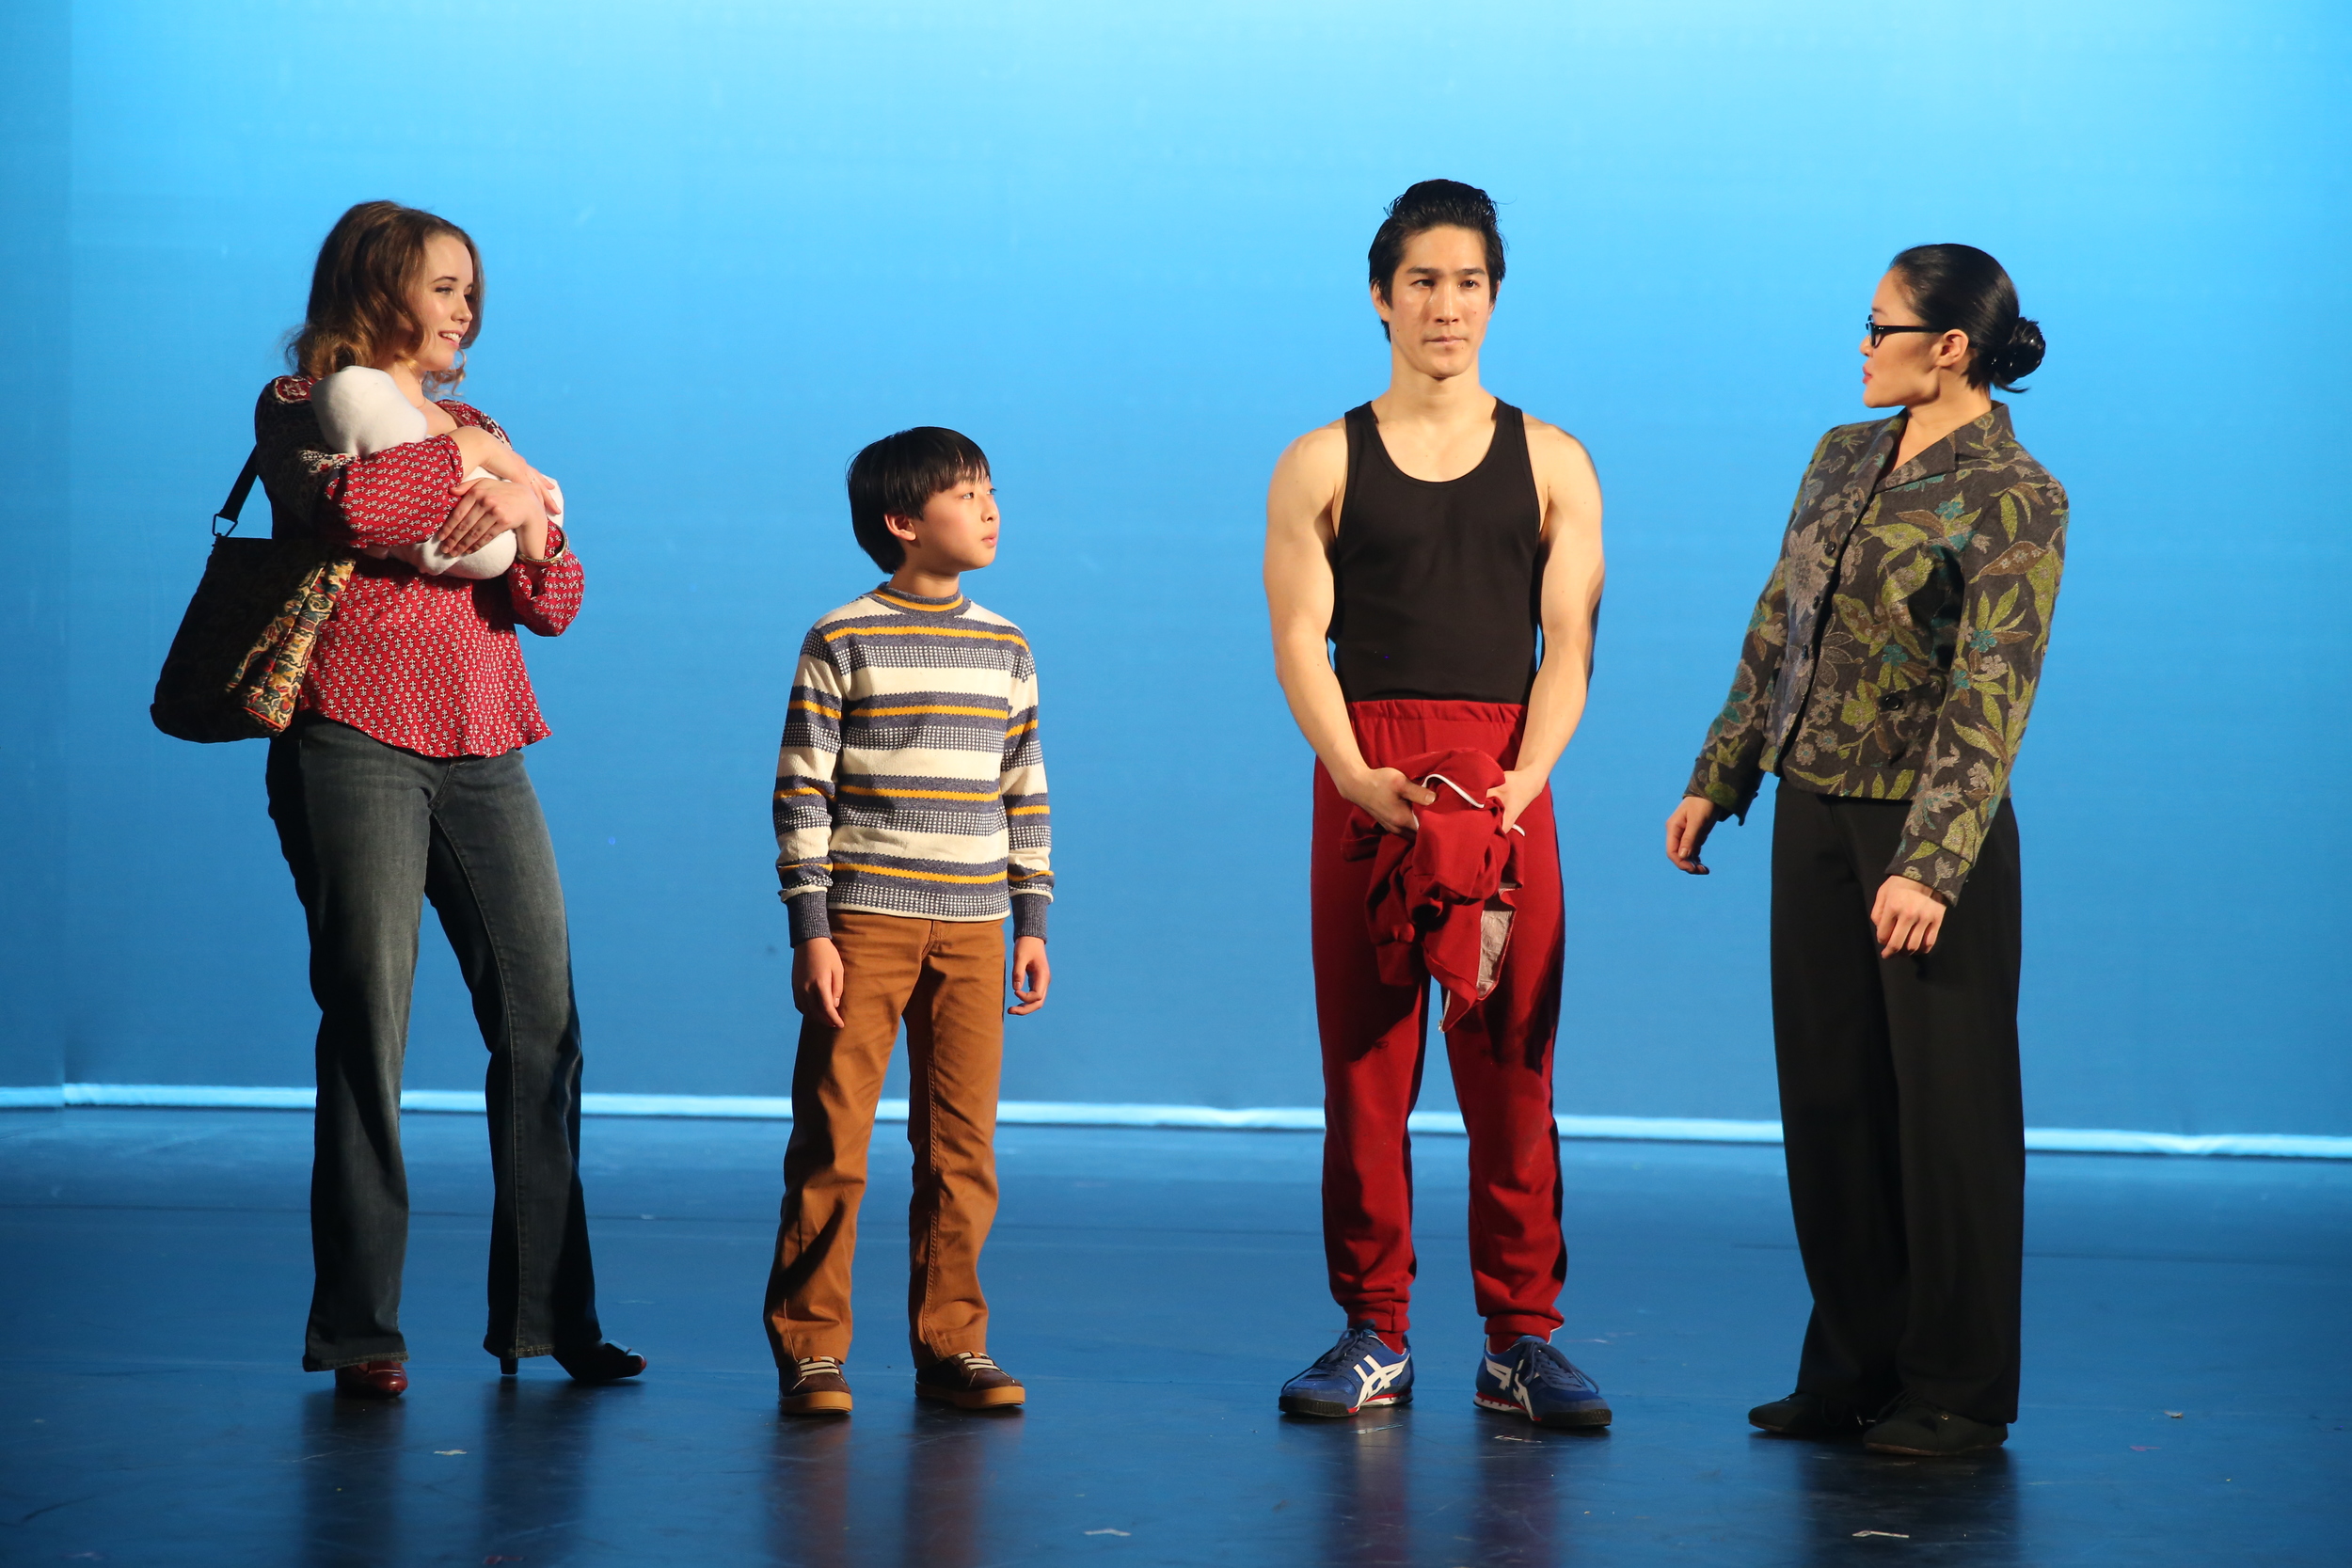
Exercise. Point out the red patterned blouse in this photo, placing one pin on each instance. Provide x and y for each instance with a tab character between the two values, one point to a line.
428	664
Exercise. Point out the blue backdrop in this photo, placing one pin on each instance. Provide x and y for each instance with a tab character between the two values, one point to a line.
1122	247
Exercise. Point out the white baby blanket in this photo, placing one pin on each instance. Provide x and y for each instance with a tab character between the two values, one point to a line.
361	411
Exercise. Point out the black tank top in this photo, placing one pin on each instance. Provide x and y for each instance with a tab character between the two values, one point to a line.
1437	580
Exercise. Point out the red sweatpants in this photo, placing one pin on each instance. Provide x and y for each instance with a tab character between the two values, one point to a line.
1372	1040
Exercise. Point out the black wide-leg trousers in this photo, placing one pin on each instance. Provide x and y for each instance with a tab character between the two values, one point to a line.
1899	1103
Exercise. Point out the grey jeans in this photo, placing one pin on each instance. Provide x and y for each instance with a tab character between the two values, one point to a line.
369	831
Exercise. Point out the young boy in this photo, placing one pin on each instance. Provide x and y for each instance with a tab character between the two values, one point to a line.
911	818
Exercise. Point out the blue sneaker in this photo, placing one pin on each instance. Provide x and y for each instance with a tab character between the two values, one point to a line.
1358	1372
1535	1380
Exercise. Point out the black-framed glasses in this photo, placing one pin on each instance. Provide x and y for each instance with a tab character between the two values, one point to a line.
1879	331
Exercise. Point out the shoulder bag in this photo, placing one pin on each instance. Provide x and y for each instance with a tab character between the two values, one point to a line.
234	671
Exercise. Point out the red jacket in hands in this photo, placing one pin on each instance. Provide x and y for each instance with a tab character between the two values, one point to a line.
1447	889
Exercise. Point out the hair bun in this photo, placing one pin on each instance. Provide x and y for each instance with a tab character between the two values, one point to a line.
2020	355
1959	288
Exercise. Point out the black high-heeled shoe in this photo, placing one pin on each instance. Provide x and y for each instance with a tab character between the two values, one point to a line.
604	1362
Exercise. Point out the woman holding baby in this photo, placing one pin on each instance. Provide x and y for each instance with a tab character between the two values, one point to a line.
402	779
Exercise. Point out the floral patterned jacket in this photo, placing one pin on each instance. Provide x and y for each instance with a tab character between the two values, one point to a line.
1895	651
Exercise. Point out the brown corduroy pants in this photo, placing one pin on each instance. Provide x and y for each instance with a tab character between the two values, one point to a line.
947	979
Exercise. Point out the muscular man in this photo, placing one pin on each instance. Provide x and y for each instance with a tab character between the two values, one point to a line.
1429	537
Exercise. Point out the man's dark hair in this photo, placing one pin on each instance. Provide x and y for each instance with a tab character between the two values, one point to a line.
897	475
1435	204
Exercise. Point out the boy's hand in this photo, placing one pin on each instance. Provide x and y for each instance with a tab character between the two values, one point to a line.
1031	975
816	979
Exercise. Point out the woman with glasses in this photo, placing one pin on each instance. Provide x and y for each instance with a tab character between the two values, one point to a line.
1885	679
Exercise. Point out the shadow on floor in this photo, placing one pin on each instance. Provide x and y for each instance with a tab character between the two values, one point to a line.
1153	1288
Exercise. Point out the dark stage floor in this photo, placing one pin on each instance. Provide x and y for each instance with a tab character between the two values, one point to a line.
1153	1288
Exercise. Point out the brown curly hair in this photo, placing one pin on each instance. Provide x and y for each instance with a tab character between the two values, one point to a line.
359	292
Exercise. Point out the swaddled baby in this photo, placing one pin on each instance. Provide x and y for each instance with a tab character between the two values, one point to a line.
361	411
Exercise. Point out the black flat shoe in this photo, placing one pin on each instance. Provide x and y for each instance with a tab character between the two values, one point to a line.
1803	1415
1929	1430
600	1363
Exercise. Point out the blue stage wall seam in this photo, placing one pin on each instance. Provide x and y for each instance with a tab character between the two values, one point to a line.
1040	1112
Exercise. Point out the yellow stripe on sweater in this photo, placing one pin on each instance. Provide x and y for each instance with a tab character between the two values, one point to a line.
917	875
926	631
921	794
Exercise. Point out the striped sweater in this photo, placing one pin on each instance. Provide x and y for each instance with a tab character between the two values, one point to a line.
911	781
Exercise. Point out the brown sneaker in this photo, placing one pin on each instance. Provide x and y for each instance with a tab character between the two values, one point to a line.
969	1382
813	1386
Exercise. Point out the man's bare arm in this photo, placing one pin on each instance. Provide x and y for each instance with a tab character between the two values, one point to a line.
1302	514
1570	606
